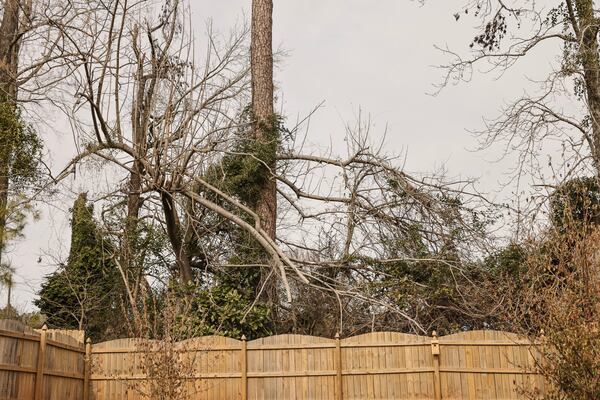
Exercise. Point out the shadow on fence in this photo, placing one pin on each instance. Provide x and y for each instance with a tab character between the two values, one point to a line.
385	365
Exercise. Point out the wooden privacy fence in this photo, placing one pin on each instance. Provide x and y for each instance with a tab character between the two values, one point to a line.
44	365
386	365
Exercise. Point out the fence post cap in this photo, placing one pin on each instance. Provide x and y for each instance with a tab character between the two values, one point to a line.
88	340
244	338
45	327
434	334
337	335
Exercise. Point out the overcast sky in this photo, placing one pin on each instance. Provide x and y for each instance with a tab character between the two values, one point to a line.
377	56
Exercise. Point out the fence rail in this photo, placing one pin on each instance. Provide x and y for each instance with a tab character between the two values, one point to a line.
40	365
384	365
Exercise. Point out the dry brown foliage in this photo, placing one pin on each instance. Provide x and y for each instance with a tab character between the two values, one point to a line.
558	294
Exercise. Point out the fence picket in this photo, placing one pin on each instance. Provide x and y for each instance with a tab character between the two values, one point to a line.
244	367
41	360
375	365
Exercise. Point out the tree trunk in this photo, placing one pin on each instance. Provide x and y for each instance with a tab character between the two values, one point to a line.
587	32
9	298
264	129
134	203
182	256
133	273
9	47
3	201
261	64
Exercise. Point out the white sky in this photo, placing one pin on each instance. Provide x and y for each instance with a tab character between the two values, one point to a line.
374	55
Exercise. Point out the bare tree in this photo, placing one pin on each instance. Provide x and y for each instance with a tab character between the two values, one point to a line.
340	211
565	110
31	57
181	113
354	219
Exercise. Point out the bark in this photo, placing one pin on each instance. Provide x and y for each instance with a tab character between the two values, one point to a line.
132	273
182	256
9	297
4	181
261	64
9	47
134	204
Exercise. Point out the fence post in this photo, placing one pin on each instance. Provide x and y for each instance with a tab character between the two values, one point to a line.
39	377
542	362
435	351
244	368
339	394
87	369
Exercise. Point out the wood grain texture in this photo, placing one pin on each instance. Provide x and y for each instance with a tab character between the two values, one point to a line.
58	374
383	365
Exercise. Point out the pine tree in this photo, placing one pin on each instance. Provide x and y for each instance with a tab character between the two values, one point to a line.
264	126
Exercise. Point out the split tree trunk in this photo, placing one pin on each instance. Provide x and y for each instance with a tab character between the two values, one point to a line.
182	256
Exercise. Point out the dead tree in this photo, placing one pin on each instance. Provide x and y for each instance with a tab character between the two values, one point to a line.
181	113
338	210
